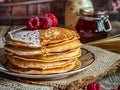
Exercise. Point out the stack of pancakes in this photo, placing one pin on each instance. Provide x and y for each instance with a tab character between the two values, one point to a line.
42	51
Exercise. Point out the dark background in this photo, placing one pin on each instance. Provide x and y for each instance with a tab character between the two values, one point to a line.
15	12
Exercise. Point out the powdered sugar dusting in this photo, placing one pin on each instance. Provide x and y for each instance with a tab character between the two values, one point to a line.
32	38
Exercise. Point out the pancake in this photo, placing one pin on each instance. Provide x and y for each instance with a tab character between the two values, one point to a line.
39	71
23	37
34	64
49	58
57	35
43	51
46	50
38	38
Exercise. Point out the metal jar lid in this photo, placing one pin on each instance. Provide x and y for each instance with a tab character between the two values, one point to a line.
90	13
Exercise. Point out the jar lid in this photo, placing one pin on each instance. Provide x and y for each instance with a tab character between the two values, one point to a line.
92	12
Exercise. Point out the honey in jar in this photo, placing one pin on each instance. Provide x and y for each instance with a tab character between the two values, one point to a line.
93	24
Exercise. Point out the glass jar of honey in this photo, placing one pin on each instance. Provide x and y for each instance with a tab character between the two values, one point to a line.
93	24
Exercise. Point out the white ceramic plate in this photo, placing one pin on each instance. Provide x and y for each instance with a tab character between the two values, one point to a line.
87	59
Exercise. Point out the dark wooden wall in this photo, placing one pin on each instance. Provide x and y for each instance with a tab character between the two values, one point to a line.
15	12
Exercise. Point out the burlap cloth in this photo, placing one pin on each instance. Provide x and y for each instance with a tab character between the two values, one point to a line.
105	63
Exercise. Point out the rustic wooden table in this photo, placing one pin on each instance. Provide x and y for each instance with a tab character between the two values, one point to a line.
107	83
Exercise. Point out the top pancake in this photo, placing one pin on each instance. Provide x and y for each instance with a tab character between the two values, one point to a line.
39	38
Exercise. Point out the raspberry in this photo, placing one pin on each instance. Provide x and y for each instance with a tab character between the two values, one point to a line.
54	19
46	22
33	23
118	87
93	86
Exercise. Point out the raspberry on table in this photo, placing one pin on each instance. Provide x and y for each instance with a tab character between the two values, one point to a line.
93	86
119	87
